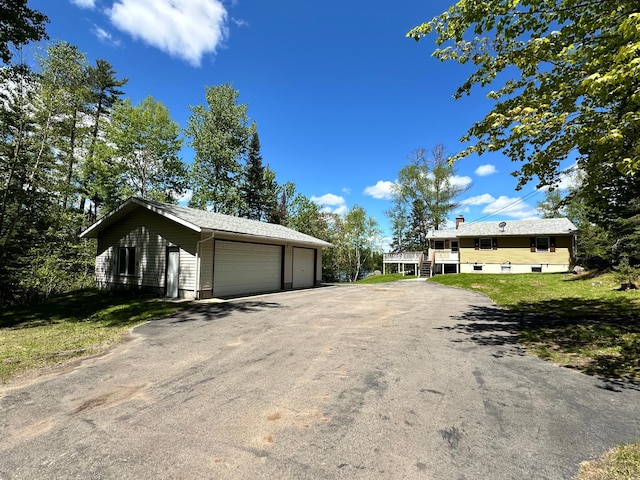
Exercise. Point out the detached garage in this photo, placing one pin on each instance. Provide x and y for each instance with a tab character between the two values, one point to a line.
183	252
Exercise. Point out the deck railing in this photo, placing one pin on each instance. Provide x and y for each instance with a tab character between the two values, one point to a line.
402	257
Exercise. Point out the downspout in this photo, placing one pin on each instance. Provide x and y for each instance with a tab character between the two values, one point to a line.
197	281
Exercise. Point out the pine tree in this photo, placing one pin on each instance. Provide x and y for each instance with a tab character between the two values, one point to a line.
253	190
104	92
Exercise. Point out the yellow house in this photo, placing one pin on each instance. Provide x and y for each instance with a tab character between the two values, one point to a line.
518	246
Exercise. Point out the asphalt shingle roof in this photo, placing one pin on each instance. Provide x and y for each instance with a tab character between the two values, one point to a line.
199	220
442	233
541	226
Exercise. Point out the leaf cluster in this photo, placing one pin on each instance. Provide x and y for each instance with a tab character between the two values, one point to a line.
567	74
19	25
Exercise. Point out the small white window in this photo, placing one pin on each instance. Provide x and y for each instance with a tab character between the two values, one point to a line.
536	269
477	268
542	244
505	268
486	244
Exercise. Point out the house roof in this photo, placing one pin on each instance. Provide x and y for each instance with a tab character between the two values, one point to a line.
442	234
203	221
540	226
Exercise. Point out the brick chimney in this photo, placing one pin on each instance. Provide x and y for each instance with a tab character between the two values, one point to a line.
459	220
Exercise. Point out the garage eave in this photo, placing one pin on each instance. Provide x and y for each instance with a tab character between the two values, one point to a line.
246	237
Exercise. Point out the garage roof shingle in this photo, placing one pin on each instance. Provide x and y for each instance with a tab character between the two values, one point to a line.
201	220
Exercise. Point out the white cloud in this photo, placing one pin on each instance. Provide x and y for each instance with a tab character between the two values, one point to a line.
511	207
341	210
105	37
461	181
84	3
568	179
484	170
381	190
331	203
328	199
186	29
478	200
239	22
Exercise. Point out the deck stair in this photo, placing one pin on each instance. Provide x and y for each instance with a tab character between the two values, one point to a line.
425	269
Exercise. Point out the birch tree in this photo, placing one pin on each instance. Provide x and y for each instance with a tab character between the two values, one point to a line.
426	190
140	155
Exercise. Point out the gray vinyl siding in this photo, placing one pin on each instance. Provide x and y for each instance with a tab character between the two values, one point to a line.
151	234
288	267
187	274
318	266
206	262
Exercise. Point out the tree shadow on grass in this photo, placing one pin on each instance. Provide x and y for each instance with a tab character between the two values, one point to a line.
598	337
107	308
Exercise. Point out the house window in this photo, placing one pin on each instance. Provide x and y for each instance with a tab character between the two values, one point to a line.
486	244
477	268
127	261
439	245
505	268
542	244
536	269
454	246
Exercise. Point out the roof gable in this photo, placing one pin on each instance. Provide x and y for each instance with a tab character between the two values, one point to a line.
201	220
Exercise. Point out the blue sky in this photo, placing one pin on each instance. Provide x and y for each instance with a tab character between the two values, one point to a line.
340	95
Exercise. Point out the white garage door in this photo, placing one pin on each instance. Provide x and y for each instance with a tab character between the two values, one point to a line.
241	268
303	267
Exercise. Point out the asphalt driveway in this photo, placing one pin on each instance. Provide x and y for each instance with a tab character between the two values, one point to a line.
403	380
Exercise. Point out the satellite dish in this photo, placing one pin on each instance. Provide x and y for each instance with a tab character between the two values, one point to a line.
502	225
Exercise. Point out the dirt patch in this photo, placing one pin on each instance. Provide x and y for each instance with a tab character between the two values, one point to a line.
113	397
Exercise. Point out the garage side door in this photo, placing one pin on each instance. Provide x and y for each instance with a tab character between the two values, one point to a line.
303	267
243	268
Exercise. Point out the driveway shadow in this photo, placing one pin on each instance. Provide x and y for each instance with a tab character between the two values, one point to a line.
216	311
489	326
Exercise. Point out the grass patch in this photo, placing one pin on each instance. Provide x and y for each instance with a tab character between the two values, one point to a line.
389	277
70	326
620	463
578	321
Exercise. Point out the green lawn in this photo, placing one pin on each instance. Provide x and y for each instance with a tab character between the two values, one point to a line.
70	326
389	277
620	463
577	321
